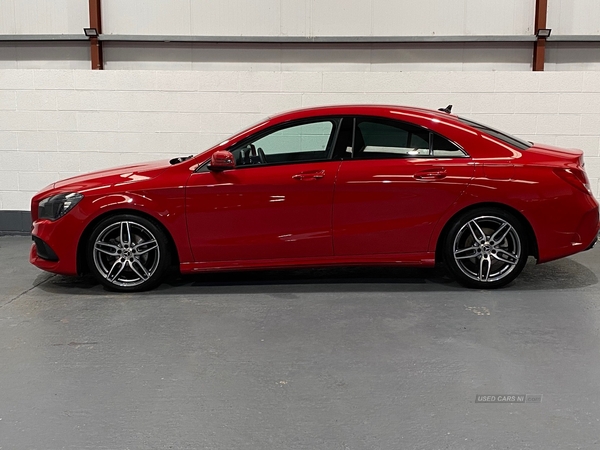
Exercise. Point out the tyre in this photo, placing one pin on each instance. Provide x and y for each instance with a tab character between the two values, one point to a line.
486	248
128	253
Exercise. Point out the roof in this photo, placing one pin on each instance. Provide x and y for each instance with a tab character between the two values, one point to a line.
360	109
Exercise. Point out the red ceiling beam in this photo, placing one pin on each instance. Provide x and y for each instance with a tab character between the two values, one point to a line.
539	46
95	44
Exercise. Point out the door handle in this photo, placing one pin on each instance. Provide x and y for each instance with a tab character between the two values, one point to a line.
310	175
430	175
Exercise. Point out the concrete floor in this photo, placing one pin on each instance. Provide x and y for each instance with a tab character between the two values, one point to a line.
309	359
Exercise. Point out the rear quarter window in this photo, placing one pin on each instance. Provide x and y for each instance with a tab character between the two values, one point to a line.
500	135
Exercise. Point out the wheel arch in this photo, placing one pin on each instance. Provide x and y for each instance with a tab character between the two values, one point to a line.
81	245
531	237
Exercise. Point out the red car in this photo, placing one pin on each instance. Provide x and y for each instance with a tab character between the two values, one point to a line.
339	185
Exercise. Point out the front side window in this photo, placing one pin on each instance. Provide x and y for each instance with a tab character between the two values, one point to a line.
302	142
381	139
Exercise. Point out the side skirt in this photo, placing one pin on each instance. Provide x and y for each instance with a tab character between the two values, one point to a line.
404	259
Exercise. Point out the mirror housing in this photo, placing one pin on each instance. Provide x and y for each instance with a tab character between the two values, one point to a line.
221	160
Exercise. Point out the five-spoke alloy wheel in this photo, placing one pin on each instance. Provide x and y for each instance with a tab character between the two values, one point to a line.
486	248
128	253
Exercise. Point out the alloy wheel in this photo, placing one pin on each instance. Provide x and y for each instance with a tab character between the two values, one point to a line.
487	249
126	254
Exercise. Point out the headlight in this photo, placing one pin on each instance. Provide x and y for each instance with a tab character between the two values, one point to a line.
58	205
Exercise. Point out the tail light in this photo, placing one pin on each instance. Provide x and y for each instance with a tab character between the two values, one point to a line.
576	178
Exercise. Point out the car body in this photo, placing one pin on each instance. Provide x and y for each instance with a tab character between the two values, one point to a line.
337	185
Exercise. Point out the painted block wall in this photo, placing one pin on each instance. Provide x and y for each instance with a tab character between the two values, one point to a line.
300	17
318	17
59	123
43	16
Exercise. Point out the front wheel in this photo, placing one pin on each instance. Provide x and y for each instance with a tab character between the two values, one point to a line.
486	248
128	253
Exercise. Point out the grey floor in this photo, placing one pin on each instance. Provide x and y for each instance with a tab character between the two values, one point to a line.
310	359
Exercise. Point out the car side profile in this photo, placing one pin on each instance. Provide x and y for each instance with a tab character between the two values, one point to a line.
338	185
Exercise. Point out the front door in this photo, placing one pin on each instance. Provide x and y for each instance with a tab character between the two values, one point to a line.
276	203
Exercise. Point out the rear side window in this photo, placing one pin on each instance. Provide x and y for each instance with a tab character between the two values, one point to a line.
501	135
391	139
382	139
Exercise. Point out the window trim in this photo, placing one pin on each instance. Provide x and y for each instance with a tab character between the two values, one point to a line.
203	167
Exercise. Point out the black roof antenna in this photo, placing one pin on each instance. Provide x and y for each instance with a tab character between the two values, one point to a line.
447	109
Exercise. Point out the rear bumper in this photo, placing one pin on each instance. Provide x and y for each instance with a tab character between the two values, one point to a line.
582	238
591	246
589	227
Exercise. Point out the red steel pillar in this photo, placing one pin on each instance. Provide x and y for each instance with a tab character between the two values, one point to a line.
539	46
95	43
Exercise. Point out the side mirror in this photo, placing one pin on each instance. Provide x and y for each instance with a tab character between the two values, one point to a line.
221	160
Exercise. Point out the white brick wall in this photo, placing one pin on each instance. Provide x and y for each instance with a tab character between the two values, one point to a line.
57	123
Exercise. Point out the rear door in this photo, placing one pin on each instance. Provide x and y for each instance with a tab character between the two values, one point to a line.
390	194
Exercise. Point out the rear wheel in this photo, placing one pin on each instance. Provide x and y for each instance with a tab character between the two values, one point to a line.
128	253
486	248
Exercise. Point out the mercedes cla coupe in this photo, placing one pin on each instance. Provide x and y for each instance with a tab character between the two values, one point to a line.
340	185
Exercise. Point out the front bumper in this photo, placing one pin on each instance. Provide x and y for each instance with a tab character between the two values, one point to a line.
43	250
55	245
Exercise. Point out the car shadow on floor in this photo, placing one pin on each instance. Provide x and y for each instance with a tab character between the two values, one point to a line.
562	274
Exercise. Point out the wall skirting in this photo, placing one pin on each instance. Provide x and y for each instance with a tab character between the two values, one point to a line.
15	222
